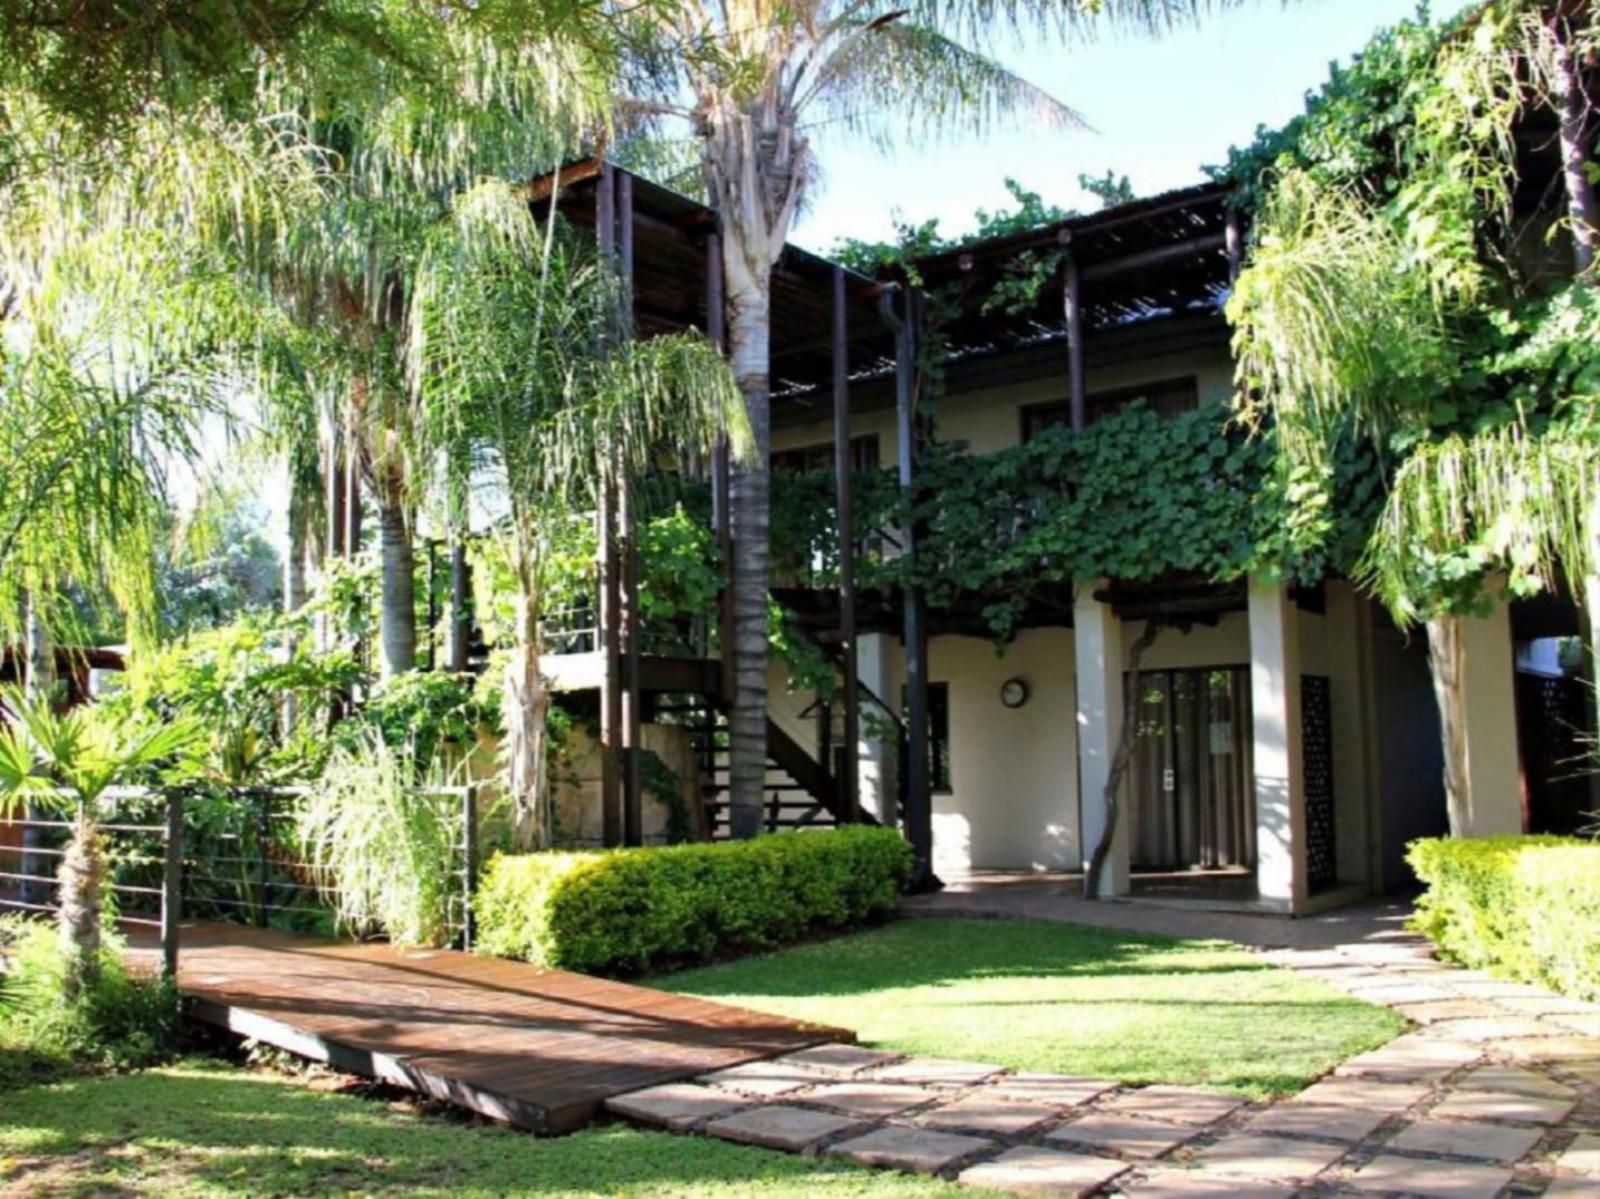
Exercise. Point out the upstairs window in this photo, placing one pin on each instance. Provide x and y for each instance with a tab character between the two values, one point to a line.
806	459
1165	397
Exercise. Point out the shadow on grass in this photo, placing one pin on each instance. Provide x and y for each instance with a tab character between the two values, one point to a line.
950	951
206	1129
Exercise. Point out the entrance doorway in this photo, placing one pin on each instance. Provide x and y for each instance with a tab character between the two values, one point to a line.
1193	801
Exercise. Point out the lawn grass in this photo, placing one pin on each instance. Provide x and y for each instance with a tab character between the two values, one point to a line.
1036	995
206	1128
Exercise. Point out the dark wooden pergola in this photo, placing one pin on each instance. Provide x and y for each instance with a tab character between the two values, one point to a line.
1150	274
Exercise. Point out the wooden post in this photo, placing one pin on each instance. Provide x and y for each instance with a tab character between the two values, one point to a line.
469	861
1074	308
716	331
433	606
844	480
632	803
609	625
1233	237
918	794
172	885
458	645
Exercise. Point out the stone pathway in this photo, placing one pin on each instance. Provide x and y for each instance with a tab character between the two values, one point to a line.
1494	1093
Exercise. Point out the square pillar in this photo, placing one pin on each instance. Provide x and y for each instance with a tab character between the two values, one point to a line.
1488	692
1277	735
1098	663
875	755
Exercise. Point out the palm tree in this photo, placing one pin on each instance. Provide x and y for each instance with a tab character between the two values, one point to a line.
761	77
521	372
66	763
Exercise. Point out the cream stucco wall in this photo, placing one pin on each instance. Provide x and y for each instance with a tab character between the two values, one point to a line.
1013	802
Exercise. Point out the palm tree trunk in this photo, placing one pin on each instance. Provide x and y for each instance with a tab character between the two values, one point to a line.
527	703
38	679
399	617
1445	658
1572	106
82	881
750	330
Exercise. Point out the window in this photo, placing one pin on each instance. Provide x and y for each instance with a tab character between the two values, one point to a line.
1165	397
939	737
805	459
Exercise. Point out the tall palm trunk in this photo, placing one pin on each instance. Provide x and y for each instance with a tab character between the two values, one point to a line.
82	881
527	703
399	617
1445	657
750	327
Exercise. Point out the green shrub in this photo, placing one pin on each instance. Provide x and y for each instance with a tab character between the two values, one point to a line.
1525	907
119	1021
629	910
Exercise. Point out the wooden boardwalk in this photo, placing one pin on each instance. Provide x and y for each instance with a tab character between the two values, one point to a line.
540	1049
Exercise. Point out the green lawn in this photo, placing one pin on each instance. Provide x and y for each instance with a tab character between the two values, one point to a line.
1059	997
204	1128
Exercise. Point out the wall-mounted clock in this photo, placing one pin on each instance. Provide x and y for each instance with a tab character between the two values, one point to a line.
1014	692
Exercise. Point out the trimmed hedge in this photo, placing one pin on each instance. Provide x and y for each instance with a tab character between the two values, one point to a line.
1524	907
625	911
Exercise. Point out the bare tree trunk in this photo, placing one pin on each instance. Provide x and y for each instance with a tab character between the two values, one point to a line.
1127	739
750	329
1572	106
527	703
399	617
39	679
1445	658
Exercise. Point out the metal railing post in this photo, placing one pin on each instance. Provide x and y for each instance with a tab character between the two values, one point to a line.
172	884
469	860
263	873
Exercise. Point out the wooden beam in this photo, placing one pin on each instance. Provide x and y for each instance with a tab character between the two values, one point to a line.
1193	247
844	480
546	185
1234	235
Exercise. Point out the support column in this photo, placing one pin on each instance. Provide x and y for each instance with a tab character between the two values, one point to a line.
1279	750
608	624
844	480
1101	708
1488	693
717	333
632	802
918	794
1077	401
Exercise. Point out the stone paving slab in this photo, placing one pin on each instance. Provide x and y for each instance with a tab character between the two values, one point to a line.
839	1060
1436	1010
868	1099
1124	1135
678	1106
1269	1157
916	1150
1502	1028
1390	1098
1462	1138
1200	1184
1498	1105
985	1112
763	1079
1582	1156
1324	1121
1027	1170
1587	1025
1566	1050
1431	1179
1180	1105
1058	1090
938	1072
778	1126
1515	1081
1545	1005
1570	1188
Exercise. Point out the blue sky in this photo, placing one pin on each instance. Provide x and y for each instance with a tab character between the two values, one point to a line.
1160	111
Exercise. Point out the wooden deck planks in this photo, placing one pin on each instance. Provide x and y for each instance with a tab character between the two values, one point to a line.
541	1049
